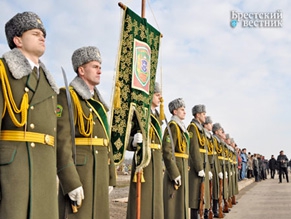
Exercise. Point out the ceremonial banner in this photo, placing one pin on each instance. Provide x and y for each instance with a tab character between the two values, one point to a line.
134	85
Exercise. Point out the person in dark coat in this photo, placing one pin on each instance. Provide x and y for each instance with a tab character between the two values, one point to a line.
260	163
282	162
28	103
256	168
272	166
264	168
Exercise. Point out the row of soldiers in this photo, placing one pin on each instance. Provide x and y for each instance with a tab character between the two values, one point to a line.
43	134
200	163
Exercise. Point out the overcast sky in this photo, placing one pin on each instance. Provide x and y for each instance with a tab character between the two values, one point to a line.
241	74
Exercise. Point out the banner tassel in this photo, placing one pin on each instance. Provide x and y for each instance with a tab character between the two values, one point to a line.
117	103
162	113
134	179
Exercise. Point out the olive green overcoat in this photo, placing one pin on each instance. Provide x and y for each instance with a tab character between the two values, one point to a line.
219	145
28	186
94	169
214	164
176	204
226	170
152	189
198	160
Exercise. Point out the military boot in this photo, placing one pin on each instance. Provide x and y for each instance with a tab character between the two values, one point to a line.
214	208
194	213
206	213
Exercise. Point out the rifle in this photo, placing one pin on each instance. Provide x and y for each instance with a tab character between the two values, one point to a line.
220	193
225	209
201	202
220	213
210	215
202	188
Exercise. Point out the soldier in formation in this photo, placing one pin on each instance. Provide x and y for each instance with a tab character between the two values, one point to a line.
86	171
175	147
27	137
152	187
199	173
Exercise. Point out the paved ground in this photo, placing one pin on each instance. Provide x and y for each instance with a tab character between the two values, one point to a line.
263	200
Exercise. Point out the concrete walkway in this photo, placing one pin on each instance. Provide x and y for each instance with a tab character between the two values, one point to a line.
267	199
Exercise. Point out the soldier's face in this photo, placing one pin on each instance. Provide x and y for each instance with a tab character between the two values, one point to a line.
180	113
220	133
31	43
156	100
90	73
208	126
201	117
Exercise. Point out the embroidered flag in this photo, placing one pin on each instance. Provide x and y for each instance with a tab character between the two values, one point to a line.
134	83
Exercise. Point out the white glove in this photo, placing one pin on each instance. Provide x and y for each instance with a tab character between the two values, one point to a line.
220	175
210	175
225	175
201	173
178	181
77	195
110	189
137	138
230	173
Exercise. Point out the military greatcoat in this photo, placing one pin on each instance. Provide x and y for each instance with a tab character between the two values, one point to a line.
219	145
198	160
28	188
230	171
176	203
94	168
214	164
152	189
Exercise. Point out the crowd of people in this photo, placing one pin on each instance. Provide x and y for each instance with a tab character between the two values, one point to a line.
259	167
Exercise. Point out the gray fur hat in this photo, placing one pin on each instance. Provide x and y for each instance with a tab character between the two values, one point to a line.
215	127
20	23
208	120
84	55
198	109
157	88
175	104
227	136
